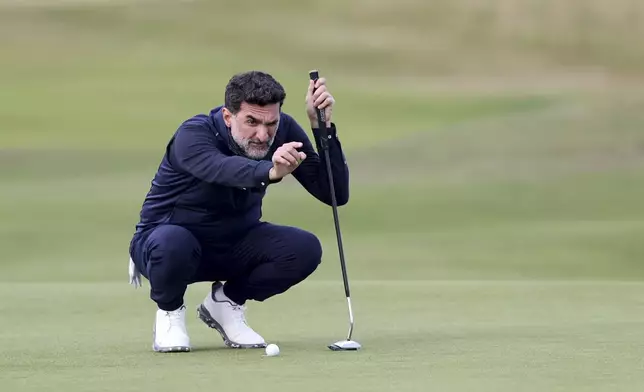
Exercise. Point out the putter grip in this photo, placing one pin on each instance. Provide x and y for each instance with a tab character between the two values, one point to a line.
314	75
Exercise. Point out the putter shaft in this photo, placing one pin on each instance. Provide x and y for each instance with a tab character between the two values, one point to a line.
350	318
324	135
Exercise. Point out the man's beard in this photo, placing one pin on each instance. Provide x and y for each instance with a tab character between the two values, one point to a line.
253	149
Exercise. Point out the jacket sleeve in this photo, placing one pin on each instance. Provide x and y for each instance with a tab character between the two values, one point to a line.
194	151
312	172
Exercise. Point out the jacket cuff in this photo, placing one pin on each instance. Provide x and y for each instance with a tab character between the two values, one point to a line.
261	174
331	132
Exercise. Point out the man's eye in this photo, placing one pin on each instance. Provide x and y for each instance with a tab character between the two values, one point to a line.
250	121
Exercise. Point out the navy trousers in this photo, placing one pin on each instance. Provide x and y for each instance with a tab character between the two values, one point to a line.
265	262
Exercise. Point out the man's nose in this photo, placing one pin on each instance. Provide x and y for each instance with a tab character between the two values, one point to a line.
262	134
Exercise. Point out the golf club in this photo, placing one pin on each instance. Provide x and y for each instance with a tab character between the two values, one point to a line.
348	344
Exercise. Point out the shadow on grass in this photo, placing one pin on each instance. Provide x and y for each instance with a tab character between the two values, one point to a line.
216	347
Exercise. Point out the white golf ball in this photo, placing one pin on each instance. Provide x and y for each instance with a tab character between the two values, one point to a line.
272	350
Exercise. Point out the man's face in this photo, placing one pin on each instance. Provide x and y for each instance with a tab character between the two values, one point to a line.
253	128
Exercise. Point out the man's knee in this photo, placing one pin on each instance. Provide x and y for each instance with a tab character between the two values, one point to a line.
173	250
308	252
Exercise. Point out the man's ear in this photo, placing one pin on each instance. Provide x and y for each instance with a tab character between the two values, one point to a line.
228	116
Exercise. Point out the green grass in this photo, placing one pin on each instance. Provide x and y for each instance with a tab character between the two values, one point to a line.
493	235
417	335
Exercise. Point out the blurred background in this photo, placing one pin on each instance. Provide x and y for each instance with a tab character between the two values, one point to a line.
496	141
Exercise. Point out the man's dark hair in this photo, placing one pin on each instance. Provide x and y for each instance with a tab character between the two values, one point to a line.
255	88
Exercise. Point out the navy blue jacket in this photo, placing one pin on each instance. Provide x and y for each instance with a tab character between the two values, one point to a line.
203	185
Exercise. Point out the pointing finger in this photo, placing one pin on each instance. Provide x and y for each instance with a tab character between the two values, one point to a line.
289	151
292	144
294	153
286	157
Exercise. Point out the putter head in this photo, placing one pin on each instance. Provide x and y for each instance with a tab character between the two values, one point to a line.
345	345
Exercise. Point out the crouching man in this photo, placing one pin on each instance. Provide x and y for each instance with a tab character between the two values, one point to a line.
201	219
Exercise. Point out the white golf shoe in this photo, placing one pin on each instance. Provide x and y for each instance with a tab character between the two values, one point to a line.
229	319
170	333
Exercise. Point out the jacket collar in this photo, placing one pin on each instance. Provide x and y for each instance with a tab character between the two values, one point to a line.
222	131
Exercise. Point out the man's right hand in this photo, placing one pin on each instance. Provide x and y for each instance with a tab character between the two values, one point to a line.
286	159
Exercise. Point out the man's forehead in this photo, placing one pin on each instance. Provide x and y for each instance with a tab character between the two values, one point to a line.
266	113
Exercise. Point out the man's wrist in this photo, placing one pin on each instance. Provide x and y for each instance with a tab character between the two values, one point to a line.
272	175
330	130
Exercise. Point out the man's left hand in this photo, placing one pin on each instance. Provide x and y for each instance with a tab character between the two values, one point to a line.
321	98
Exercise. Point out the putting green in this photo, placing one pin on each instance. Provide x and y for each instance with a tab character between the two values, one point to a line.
493	236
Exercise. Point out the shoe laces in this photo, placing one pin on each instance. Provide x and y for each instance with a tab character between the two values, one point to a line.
240	313
174	319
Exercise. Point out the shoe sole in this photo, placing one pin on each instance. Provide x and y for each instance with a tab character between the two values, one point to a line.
172	349
177	349
205	316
